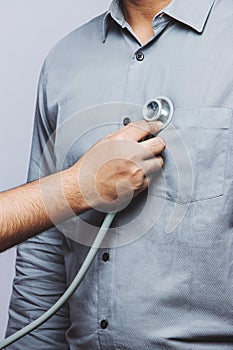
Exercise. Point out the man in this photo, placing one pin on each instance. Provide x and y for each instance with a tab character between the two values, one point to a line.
163	290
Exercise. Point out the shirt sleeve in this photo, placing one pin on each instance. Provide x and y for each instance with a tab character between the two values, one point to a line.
40	273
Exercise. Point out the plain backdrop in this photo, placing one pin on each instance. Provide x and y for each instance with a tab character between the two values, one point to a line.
28	30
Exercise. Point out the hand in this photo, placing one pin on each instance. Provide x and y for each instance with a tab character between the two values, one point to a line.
119	166
114	170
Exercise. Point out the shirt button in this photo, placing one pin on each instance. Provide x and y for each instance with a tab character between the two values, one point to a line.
140	56
126	121
104	324
105	257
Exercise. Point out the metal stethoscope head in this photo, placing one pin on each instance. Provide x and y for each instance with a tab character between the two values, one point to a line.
158	109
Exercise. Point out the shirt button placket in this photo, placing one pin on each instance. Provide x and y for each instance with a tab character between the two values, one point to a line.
105	299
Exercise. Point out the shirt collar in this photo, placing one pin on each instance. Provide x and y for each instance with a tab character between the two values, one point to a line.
193	13
114	13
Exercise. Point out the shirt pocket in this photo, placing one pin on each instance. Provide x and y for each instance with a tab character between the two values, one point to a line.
195	157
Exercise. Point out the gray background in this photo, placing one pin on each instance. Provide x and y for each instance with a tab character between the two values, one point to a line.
28	30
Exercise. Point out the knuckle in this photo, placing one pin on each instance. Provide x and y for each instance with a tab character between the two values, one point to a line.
139	184
147	182
160	162
161	143
134	170
137	177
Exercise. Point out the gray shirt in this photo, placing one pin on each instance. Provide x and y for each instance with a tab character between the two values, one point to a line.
163	279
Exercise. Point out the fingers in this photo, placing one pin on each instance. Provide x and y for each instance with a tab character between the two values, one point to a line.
155	146
147	182
143	176
138	130
152	165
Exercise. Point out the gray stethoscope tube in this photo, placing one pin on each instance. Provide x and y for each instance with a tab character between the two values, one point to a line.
160	109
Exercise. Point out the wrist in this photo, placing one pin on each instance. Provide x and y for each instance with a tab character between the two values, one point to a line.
71	189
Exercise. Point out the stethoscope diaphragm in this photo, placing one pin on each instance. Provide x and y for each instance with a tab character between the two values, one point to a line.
158	109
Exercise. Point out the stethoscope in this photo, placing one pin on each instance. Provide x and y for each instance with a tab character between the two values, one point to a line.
157	109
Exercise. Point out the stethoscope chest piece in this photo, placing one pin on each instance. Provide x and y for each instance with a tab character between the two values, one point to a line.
158	109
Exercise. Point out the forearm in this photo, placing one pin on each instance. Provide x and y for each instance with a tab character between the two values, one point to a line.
32	208
116	159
